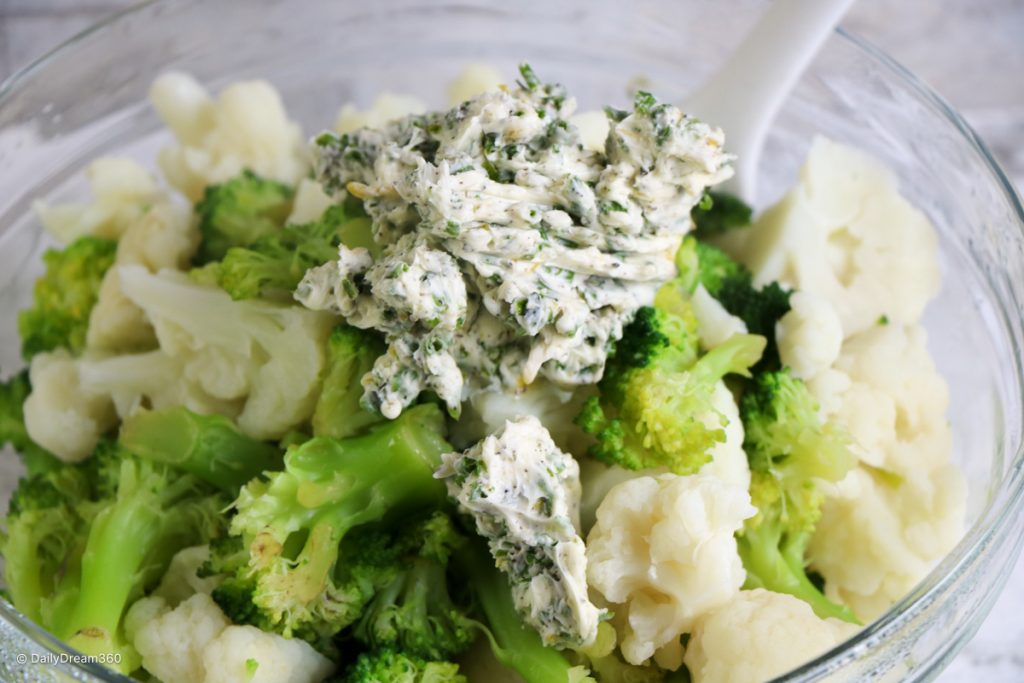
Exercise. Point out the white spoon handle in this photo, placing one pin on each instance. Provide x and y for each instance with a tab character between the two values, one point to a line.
746	93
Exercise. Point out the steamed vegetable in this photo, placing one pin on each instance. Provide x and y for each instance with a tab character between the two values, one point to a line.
656	394
84	541
64	296
294	580
239	212
791	452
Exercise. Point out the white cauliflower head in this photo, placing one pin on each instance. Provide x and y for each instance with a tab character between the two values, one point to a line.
181	580
903	508
309	203
473	80
61	415
245	128
196	643
845	233
728	459
162	235
809	335
385	108
556	407
662	553
115	322
757	636
171	642
245	653
715	325
266	355
121	190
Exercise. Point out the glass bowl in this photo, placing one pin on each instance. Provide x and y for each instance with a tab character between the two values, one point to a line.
88	98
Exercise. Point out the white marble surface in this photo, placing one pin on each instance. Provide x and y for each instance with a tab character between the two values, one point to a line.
970	51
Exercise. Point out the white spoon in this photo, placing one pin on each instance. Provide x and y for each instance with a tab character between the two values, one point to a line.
745	94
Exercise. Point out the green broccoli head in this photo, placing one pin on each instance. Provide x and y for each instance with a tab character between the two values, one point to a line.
413	611
13	393
293	524
84	541
719	212
390	666
240	211
273	265
732	285
155	512
340	411
45	526
64	296
655	407
790	450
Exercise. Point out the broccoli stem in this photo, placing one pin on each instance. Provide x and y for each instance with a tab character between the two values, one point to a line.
514	644
294	523
129	546
777	564
208	447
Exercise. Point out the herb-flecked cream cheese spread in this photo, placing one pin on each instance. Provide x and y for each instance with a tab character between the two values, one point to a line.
508	249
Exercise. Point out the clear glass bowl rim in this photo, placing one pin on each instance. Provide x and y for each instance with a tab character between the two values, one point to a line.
1007	502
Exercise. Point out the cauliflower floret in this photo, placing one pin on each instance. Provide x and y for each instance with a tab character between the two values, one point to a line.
555	406
309	203
161	236
172	642
196	643
154	380
267	354
121	190
245	653
662	553
593	127
903	508
386	107
728	460
115	323
475	79
809	336
757	636
845	233
246	128
715	325
181	580
61	415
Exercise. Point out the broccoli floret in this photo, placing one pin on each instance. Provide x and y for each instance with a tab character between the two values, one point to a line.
719	212
155	512
274	264
64	296
656	395
413	612
732	285
84	541
790	450
209	447
293	523
351	354
240	211
513	643
45	525
13	393
389	666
